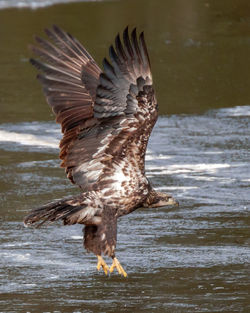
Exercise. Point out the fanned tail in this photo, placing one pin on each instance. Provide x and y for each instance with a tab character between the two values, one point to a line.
71	210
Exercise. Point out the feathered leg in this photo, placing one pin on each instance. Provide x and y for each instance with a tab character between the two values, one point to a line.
101	239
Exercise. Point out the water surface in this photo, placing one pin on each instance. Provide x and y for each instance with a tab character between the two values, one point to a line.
194	258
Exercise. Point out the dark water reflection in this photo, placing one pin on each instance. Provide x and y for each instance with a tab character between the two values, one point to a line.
194	258
199	50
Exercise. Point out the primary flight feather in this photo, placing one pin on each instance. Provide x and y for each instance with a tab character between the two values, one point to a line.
106	119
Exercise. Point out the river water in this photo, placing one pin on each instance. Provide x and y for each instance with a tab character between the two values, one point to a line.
194	258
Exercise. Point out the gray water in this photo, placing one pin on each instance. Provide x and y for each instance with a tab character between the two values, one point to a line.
194	258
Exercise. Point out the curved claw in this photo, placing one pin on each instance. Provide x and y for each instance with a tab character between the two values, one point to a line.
102	263
116	264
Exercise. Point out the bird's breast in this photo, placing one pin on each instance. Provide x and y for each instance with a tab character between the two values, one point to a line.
124	185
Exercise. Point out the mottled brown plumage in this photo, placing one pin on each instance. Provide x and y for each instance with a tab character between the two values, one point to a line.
106	119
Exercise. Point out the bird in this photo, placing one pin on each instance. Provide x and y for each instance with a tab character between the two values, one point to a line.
106	119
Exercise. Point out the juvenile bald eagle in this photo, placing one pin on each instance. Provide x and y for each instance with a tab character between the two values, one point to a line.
106	118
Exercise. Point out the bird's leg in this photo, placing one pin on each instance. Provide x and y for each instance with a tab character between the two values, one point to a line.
116	264
102	263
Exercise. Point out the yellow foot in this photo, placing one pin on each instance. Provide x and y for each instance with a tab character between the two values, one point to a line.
102	263
116	264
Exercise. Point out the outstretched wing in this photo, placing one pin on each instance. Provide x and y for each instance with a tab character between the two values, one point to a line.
122	80
104	116
69	76
126	109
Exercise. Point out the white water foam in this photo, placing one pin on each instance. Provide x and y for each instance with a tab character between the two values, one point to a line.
235	111
176	188
36	4
28	139
76	237
210	168
151	157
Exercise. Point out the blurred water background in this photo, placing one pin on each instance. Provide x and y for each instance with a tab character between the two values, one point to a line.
194	258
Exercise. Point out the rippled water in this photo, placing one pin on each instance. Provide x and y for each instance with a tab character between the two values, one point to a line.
194	258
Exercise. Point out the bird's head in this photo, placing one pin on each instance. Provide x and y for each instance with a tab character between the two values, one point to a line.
157	199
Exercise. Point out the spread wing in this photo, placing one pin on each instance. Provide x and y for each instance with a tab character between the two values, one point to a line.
103	115
69	76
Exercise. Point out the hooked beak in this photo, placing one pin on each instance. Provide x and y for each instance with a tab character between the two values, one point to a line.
166	201
172	201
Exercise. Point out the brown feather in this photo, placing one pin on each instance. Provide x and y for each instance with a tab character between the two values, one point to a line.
106	120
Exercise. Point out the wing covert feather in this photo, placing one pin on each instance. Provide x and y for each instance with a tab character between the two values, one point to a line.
104	116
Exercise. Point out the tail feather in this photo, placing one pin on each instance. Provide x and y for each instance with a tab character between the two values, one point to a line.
66	209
